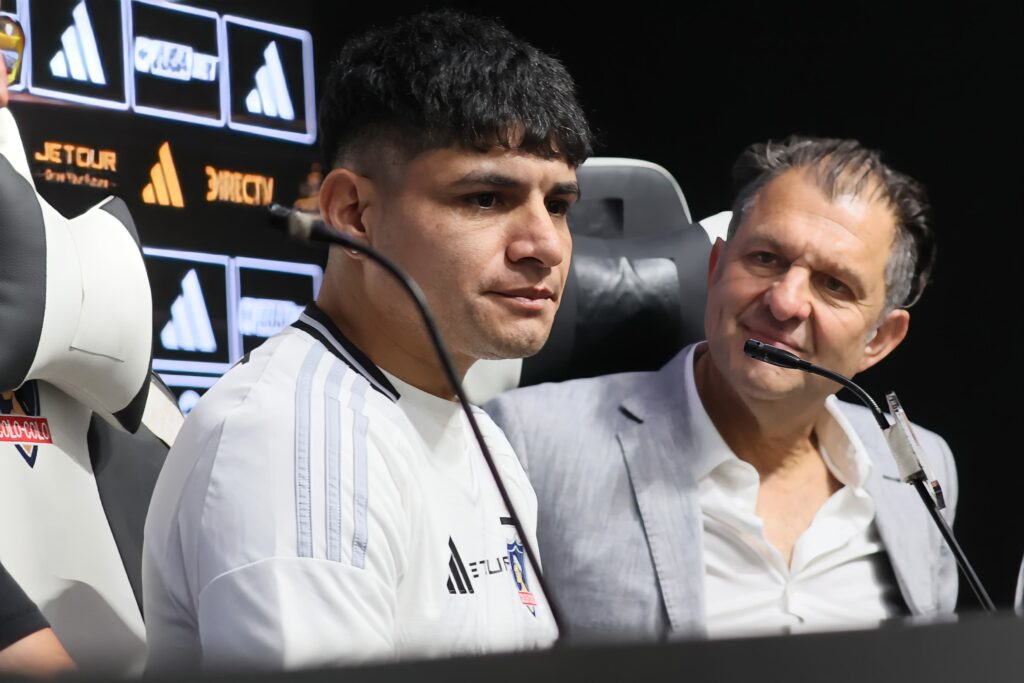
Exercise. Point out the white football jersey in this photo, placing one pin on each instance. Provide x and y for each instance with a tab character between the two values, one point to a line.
315	511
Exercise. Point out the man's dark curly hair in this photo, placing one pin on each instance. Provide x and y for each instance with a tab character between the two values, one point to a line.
846	167
441	79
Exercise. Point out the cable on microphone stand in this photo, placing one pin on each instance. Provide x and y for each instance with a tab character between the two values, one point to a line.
902	443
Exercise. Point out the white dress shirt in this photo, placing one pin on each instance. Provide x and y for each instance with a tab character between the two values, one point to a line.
839	576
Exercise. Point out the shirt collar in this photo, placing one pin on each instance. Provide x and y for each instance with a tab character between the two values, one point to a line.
842	450
709	448
319	325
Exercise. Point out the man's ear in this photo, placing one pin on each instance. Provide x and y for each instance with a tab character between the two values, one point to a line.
891	331
716	253
344	198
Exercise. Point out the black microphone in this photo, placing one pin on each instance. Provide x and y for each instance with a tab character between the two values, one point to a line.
784	359
776	356
306	226
901	444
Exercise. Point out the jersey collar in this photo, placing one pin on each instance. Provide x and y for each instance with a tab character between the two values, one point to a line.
318	325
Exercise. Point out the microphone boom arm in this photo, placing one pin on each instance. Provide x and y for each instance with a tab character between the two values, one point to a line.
902	445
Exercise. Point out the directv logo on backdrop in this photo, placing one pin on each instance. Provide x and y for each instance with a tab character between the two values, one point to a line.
270	96
189	328
79	58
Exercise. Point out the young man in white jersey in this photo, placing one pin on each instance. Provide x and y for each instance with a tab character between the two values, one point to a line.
325	502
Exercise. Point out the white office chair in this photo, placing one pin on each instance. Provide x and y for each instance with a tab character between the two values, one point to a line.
79	406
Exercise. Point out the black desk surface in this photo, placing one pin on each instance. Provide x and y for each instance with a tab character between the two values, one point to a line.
977	648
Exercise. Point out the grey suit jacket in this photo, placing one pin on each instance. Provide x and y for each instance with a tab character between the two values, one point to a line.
620	527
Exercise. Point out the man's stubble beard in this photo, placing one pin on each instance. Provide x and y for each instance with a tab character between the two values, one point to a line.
486	342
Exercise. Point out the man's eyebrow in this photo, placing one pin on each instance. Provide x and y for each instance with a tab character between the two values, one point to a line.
499	180
568	188
487	178
827	263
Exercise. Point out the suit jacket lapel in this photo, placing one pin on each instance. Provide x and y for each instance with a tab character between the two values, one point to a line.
904	527
654	445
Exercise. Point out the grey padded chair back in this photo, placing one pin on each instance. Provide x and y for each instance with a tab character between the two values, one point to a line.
638	280
627	198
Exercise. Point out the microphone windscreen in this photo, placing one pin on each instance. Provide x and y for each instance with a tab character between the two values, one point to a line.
300	225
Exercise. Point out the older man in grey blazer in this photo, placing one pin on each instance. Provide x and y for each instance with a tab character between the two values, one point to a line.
722	495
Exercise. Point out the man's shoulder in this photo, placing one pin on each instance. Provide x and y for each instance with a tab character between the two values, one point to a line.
552	425
936	451
287	398
291	430
292	376
555	400
863	420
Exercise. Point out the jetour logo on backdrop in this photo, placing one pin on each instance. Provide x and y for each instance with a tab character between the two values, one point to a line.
74	164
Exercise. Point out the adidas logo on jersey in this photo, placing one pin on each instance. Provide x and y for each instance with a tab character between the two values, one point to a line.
79	58
189	328
458	579
163	188
270	97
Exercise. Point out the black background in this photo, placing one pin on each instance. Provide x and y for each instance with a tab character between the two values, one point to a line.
690	86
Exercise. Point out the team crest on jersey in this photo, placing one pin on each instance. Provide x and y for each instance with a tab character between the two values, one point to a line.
20	423
517	561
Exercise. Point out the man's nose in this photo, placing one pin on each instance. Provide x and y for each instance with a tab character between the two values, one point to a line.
539	236
789	297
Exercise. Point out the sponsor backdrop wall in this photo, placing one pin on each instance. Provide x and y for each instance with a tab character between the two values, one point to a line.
198	117
197	113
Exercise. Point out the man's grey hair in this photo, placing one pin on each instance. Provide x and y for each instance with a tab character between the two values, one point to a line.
847	168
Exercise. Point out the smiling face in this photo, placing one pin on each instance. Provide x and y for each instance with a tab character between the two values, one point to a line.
485	236
806	274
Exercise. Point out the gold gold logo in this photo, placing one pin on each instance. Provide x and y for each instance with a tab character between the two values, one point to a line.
163	188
